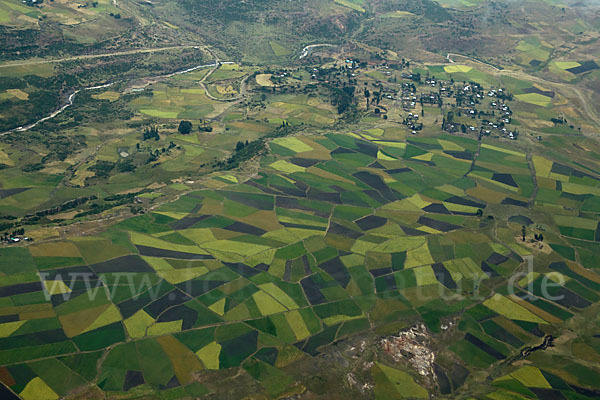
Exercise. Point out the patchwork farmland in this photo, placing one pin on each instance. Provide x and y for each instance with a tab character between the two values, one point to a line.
342	199
338	234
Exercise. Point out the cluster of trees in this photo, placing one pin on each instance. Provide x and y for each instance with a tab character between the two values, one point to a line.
33	167
185	127
151	133
126	166
536	237
154	155
102	168
247	150
240	145
504	95
111	202
205	127
7	235
343	99
68	205
59	147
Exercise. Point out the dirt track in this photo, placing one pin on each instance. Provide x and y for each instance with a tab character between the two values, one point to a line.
91	56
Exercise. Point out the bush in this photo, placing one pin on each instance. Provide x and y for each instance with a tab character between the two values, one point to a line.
185	127
102	168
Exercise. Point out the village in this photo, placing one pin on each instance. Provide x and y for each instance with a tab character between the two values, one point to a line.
465	107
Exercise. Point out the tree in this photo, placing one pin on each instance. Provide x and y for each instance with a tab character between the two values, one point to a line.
185	127
523	231
479	212
126	166
151	133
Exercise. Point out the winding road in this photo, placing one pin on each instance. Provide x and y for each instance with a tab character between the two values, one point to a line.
472	59
70	99
306	50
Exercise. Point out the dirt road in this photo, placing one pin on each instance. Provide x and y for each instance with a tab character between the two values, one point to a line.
92	56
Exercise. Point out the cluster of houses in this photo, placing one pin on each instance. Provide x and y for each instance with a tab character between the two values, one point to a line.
474	109
467	107
412	122
15	237
467	114
431	98
490	122
409	96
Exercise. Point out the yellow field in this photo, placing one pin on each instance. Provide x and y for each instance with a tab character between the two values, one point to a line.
267	304
18	93
535	98
297	324
448	145
350	4
264	79
160	114
293	143
108	95
209	355
399	145
138	323
382	156
279	294
510	309
425	276
418	256
531	376
451	69
284	166
503	150
37	389
566	64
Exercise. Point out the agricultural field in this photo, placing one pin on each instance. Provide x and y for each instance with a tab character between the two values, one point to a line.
533	52
343	199
338	234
